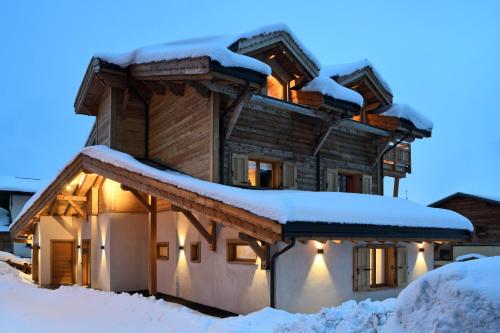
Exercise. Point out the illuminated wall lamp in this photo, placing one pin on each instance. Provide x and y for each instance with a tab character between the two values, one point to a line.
102	247
181	247
421	249
321	251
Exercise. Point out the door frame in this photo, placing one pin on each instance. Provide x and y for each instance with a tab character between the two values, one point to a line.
73	266
89	261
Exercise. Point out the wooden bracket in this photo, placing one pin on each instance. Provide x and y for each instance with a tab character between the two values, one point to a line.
236	107
78	209
322	138
210	237
176	88
77	198
200	89
262	250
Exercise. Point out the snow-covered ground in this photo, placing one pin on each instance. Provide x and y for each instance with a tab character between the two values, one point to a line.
460	297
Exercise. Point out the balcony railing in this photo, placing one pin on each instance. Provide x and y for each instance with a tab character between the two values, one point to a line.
397	161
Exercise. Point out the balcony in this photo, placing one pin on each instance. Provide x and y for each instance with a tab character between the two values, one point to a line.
397	162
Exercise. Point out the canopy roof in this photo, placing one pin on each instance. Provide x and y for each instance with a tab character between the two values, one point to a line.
20	184
263	211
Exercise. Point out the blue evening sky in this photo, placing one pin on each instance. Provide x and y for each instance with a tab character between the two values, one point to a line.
441	57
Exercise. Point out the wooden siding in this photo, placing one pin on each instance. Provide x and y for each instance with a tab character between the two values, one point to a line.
484	216
103	119
180	132
291	137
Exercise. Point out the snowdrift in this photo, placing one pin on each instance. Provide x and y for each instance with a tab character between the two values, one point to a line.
459	297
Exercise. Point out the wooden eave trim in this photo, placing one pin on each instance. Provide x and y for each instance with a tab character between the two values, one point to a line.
92	68
188	66
463	195
260	102
372	81
321	230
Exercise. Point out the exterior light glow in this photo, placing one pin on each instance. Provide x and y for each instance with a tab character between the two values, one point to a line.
68	187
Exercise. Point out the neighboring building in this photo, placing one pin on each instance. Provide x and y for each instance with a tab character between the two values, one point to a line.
217	182
14	192
484	213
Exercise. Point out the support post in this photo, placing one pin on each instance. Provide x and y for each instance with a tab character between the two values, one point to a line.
152	245
395	192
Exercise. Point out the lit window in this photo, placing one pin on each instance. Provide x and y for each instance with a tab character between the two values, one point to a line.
162	251
275	88
260	174
195	252
350	183
382	267
238	251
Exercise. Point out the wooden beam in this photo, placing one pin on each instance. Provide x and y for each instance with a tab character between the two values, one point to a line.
152	236
74	198
194	221
236	108
143	201
321	140
262	251
177	89
395	192
213	244
200	89
78	209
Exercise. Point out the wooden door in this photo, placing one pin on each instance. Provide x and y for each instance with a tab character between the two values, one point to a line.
62	262
34	263
86	262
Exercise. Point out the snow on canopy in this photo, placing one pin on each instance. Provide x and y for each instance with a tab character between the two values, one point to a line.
20	184
405	111
349	68
4	220
292	206
326	86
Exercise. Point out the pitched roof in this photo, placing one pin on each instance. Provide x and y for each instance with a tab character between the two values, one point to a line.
489	199
20	184
267	208
406	112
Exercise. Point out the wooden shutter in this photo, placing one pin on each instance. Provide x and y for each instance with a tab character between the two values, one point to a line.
367	184
361	268
239	169
331	180
289	175
402	261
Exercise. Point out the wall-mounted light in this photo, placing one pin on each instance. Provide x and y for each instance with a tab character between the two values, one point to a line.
321	251
421	249
181	247
78	246
102	247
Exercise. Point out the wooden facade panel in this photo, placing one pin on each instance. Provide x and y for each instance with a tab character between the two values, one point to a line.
112	199
103	119
180	132
290	137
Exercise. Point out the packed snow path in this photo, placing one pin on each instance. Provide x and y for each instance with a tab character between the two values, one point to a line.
460	297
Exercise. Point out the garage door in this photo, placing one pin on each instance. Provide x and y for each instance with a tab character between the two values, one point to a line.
62	262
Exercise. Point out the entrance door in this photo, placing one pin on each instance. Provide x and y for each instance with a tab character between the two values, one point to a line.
62	262
86	262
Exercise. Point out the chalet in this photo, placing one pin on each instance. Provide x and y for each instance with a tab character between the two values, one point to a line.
233	172
484	213
14	192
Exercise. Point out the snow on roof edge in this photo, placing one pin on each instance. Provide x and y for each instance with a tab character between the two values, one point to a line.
351	67
288	206
404	111
20	184
327	86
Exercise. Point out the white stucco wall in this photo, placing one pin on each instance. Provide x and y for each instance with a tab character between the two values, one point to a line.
100	266
51	228
307	281
129	255
233	287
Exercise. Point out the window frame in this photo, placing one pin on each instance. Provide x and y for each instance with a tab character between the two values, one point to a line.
158	246
276	172
231	257
196	259
390	280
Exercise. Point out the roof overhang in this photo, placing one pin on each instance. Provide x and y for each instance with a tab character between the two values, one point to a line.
319	230
464	195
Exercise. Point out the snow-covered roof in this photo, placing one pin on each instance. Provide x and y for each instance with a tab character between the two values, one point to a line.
405	111
285	206
326	86
4	220
215	47
20	184
349	68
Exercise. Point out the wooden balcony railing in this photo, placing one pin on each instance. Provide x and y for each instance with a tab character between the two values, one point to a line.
397	162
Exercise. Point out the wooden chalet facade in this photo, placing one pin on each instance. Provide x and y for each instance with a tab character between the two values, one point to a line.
182	213
484	213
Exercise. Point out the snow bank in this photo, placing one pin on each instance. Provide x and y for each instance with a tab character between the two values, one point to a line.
470	256
20	184
349	68
289	206
458	297
4	220
327	86
4	256
407	112
11	277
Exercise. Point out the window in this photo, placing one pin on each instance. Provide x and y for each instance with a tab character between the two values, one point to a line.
260	174
275	88
349	183
195	252
443	252
240	252
162	251
380	266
